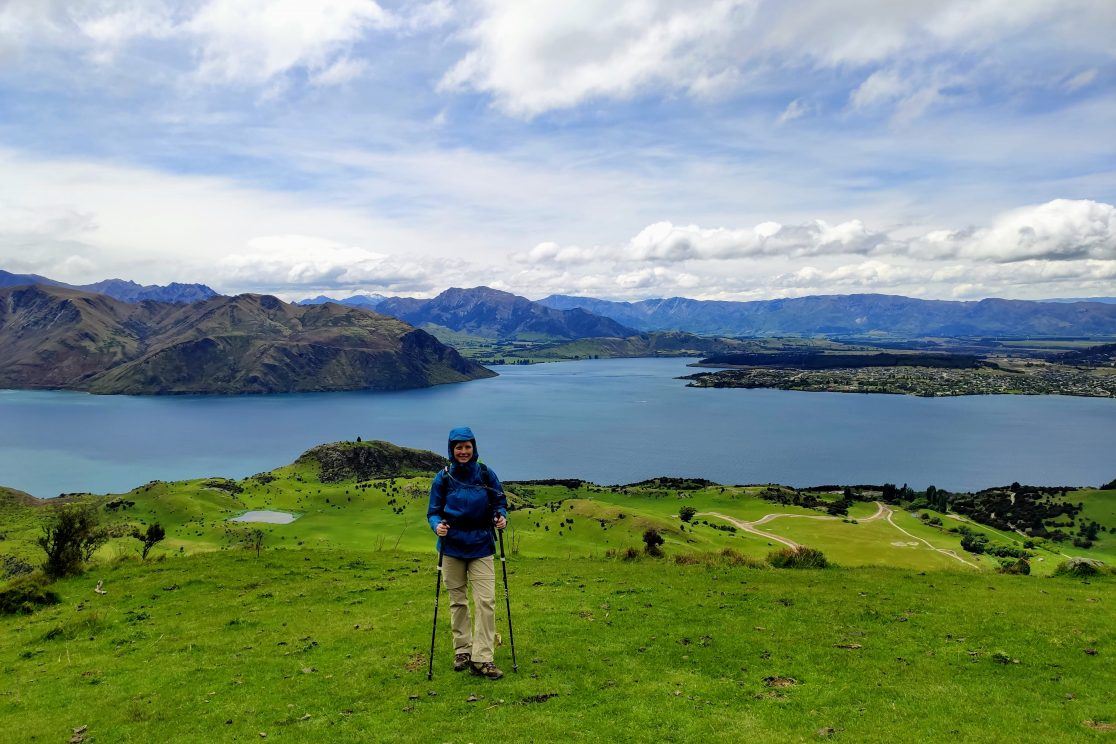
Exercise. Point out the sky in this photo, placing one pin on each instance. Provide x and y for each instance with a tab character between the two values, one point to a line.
623	149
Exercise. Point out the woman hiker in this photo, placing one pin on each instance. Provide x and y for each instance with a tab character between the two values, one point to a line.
466	501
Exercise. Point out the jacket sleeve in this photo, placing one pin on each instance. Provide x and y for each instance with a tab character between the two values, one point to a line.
435	511
499	500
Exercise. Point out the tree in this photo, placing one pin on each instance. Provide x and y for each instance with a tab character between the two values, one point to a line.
686	513
155	533
651	542
71	535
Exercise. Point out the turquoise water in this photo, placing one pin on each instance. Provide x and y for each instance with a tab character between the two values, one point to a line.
610	421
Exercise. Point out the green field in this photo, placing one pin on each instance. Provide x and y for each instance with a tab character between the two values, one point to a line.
324	636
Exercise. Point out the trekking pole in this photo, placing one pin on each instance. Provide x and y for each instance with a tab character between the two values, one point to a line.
507	600
437	595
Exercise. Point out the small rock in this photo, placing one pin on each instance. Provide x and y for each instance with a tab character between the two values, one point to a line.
263	735
848	645
826	732
305	717
1091	651
431	693
81	729
412	697
471	699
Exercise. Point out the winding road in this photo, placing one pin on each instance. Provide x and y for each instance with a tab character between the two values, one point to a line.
882	512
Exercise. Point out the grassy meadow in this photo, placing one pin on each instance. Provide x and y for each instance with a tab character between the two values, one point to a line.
324	636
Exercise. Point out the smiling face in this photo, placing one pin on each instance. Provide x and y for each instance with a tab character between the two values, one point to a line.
463	451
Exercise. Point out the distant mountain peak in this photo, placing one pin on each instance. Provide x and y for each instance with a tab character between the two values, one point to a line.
494	313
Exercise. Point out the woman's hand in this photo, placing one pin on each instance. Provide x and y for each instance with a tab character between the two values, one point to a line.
501	522
442	529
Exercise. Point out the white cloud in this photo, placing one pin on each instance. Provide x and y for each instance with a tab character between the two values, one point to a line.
534	56
252	41
155	227
1059	230
872	273
341	71
288	261
670	243
557	254
1080	80
796	109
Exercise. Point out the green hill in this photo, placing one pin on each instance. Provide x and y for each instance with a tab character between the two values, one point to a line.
53	337
325	635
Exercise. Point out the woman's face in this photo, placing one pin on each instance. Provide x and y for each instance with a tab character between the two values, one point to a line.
463	451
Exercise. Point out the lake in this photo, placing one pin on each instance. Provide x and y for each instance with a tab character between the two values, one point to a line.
609	421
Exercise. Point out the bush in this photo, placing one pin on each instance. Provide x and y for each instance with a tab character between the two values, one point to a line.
1079	568
1018	566
974	543
651	542
71	534
26	594
800	557
686	513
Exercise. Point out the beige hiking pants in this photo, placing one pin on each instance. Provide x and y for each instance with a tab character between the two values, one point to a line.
480	574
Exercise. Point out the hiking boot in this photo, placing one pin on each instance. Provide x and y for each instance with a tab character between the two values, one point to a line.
461	662
486	669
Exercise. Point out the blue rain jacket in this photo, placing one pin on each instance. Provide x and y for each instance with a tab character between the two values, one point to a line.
468	496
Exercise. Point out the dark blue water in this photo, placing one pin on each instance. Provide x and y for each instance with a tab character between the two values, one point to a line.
610	421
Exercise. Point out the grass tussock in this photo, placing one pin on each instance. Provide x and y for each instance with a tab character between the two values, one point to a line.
726	557
27	593
800	557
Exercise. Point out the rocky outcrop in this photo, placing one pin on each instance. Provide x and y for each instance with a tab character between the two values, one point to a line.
359	461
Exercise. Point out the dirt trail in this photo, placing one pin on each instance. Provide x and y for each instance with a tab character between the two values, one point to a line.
882	512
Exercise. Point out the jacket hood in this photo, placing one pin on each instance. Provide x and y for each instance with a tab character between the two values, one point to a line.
462	434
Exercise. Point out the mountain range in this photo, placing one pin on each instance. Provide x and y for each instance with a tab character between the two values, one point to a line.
56	337
494	314
119	289
365	301
491	313
854	315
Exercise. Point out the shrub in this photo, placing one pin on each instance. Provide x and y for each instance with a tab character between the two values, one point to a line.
71	534
629	554
1018	566
974	543
651	542
800	557
686	513
27	593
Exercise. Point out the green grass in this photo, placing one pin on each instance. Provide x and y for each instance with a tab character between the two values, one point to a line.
325	635
315	645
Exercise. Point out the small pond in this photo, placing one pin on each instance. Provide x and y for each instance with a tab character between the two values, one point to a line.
271	517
